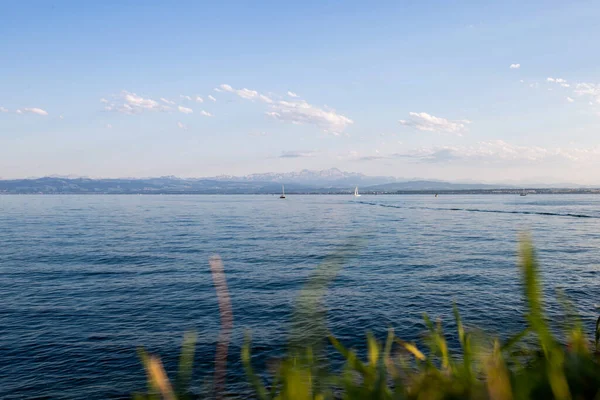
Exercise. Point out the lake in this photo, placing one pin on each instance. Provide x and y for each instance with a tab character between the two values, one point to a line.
84	280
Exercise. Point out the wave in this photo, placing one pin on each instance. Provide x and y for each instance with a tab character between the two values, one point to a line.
480	210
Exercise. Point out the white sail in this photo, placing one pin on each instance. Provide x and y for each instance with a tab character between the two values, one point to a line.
356	192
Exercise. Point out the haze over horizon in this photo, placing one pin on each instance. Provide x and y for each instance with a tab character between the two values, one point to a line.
504	92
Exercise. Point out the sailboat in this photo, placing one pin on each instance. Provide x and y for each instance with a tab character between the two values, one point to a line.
282	193
356	192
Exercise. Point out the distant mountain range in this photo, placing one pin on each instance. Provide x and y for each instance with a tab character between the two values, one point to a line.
332	177
305	181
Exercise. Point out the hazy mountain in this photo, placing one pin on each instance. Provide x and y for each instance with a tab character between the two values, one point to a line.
332	177
132	186
431	185
305	181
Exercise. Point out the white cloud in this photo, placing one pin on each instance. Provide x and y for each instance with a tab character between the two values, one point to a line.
570	100
296	111
130	103
181	125
4	110
560	81
33	110
297	154
205	113
185	110
301	112
246	93
515	66
211	98
589	90
109	126
61	117
292	94
199	99
497	151
426	122
171	102
556	80
186	97
139	101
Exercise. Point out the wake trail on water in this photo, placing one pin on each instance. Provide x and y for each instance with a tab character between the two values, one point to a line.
479	210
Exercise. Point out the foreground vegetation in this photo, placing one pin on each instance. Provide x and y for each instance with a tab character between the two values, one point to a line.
533	364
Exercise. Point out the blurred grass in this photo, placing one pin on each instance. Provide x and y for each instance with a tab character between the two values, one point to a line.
532	364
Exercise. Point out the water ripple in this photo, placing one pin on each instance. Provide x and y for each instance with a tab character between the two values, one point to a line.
84	280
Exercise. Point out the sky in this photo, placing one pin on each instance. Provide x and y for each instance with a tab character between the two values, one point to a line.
462	91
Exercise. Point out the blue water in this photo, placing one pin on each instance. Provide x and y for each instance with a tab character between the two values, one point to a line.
86	279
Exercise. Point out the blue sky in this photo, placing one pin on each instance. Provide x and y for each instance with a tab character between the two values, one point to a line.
494	91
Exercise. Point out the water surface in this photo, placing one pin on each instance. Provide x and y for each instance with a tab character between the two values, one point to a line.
86	279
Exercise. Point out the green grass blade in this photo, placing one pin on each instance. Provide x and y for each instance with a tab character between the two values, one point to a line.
186	363
373	350
255	381
308	328
597	336
351	359
533	296
512	341
459	325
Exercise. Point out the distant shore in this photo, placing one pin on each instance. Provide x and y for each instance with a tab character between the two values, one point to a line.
316	193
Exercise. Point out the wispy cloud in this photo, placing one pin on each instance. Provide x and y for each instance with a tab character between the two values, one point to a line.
109	126
33	110
171	102
373	157
297	154
246	93
560	81
211	98
130	103
292	94
570	100
4	110
427	122
181	125
515	66
205	113
496	152
590	90
199	99
185	110
296	111
186	97
301	112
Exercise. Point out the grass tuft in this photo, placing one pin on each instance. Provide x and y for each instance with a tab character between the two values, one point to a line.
485	367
